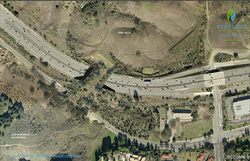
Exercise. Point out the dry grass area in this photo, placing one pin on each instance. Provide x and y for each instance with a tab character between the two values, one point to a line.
51	130
153	27
218	11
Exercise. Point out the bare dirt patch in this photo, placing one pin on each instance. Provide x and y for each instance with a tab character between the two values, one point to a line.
203	112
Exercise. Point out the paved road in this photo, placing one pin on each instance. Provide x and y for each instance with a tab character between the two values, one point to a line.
172	87
217	125
38	46
30	65
217	138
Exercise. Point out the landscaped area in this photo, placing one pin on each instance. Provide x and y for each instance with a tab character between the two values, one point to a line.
193	130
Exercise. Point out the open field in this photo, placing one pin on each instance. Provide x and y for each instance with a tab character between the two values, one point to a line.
184	156
194	130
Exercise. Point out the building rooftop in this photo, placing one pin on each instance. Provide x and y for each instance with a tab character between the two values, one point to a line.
181	111
242	107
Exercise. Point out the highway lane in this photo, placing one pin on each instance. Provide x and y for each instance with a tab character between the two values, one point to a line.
165	87
36	45
58	86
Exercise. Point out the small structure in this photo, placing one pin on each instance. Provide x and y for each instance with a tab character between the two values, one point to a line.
204	157
184	115
137	158
122	156
167	157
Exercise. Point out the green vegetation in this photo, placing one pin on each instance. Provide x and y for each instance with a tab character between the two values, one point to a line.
5	34
16	71
22	49
138	53
9	111
191	154
238	147
222	57
208	89
115	145
10	8
32	58
195	130
149	71
57	100
199	126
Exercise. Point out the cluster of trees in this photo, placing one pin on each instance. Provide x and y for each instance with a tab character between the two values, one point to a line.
210	132
208	89
11	8
166	133
118	144
87	101
9	110
205	101
222	57
5	34
131	120
32	58
15	70
240	146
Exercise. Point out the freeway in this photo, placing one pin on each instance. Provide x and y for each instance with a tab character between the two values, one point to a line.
58	86
38	46
166	87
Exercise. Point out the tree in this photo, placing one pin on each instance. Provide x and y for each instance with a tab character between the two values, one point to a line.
166	134
32	89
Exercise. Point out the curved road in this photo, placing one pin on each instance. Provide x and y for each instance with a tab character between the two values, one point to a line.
38	46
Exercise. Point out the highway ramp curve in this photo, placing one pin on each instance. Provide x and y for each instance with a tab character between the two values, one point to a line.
38	46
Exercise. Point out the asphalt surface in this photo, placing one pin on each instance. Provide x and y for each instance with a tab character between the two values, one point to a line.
216	139
38	46
172	87
217	125
58	86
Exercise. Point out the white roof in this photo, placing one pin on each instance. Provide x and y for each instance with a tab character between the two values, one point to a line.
242	107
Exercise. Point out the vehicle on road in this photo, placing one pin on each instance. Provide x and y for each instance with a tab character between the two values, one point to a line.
147	80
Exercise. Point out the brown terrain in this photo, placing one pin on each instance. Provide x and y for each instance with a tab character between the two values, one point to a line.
153	28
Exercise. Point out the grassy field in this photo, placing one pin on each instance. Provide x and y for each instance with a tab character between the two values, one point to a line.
98	142
194	130
154	139
163	113
149	71
184	156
